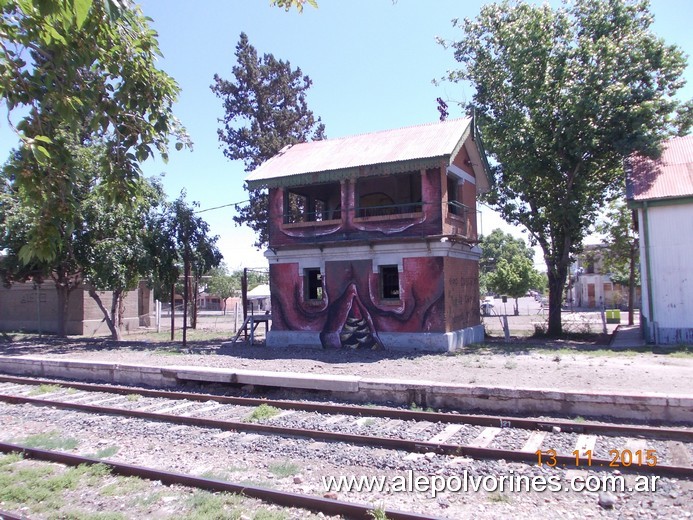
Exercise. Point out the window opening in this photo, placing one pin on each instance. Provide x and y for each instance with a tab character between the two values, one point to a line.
313	282
389	281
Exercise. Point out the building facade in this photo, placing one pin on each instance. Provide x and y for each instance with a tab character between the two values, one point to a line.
29	307
662	193
372	239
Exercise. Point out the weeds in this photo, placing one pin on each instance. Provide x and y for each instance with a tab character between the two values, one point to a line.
45	389
49	441
133	397
105	453
261	413
284	469
378	513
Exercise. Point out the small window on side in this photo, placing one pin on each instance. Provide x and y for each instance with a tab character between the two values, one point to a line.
389	282
313	284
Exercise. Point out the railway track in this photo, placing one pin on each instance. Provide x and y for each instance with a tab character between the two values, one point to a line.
563	444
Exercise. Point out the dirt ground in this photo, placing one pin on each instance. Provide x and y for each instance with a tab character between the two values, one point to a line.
520	363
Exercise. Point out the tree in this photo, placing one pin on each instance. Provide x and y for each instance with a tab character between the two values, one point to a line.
181	241
620	257
507	265
85	67
112	247
265	110
22	218
562	97
222	284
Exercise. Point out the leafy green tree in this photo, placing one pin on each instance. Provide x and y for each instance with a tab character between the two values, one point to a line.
265	110
496	246
222	284
22	218
620	256
514	278
562	97
507	265
112	247
85	67
182	245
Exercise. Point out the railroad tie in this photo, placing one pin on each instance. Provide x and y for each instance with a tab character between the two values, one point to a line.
533	444
107	400
447	433
585	443
177	407
678	454
199	411
485	437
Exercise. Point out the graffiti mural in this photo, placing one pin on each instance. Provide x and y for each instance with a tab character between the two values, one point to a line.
352	313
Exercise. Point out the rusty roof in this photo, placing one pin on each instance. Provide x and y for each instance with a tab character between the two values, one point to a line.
670	176
327	159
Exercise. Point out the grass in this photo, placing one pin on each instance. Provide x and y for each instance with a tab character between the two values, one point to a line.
49	441
41	486
133	397
45	389
261	413
499	498
378	513
284	469
203	505
104	453
123	486
510	365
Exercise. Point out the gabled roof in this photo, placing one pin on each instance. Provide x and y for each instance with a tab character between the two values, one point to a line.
379	153
670	176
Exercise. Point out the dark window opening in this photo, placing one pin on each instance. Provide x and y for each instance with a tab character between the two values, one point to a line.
389	195
389	281
313	282
314	203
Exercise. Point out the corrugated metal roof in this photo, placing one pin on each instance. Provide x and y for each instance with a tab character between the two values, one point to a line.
669	176
390	146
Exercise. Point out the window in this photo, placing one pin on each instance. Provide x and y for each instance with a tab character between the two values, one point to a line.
313	203
454	205
394	194
389	282
313	284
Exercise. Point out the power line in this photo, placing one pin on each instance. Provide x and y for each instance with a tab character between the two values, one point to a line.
224	206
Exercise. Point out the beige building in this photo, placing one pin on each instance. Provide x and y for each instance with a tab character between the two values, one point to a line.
26	307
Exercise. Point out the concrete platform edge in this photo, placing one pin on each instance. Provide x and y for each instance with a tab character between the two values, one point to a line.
534	401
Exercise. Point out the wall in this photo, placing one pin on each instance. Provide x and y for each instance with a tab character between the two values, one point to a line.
19	310
670	272
461	293
24	308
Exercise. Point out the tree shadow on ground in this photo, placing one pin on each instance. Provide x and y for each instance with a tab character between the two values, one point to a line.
33	345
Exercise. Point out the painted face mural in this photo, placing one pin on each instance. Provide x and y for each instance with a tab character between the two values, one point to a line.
352	313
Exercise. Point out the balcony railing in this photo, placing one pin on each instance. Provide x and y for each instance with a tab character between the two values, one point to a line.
390	209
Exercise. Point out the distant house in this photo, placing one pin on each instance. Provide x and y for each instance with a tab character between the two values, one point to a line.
662	192
259	298
373	239
592	286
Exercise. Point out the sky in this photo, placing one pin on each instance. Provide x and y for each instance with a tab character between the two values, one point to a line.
372	63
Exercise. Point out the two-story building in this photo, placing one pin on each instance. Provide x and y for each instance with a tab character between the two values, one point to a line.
373	239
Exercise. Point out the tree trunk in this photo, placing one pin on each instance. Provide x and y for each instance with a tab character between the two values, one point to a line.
193	317
557	278
173	311
108	317
186	296
517	307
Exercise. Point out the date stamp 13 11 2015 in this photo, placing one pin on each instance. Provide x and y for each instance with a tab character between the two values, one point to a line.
624	458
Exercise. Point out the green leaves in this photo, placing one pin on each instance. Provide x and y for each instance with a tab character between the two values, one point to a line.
265	110
562	97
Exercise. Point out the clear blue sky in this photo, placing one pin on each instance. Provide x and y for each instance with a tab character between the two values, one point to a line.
372	63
